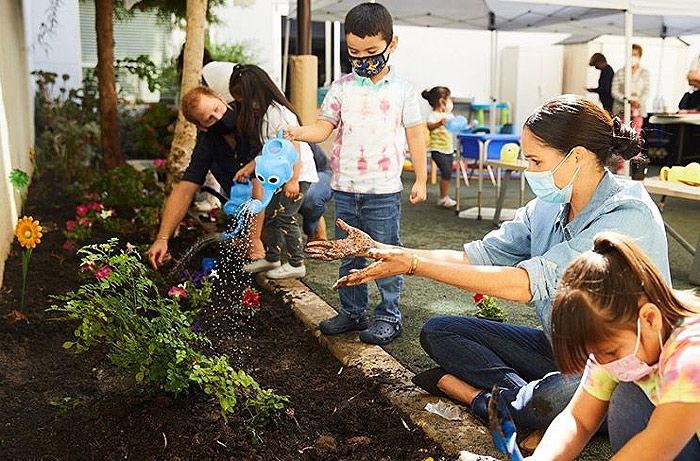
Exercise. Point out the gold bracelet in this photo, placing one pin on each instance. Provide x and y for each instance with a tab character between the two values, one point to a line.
163	238
414	265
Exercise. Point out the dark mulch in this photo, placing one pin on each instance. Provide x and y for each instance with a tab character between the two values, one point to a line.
58	405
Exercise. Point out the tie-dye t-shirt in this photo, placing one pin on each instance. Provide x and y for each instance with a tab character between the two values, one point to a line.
677	378
368	151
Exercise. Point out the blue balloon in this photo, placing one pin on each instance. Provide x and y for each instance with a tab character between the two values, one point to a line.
457	124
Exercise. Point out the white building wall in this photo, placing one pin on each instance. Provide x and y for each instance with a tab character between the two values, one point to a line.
257	23
16	121
61	54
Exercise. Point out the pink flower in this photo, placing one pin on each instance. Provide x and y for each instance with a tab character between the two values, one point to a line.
85	222
103	272
159	163
95	206
177	292
68	246
70	225
81	210
478	297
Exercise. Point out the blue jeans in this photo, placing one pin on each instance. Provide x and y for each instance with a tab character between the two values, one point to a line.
517	359
629	413
315	200
379	215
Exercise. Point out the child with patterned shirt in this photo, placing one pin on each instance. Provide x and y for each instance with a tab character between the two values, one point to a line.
375	112
638	345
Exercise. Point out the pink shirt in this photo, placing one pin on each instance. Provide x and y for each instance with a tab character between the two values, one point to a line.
371	118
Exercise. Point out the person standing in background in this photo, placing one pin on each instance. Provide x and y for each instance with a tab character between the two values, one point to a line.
639	91
604	89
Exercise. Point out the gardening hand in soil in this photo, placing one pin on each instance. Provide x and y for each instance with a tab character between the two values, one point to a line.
158	253
390	261
357	243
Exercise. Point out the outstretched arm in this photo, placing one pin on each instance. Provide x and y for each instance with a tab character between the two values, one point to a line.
316	133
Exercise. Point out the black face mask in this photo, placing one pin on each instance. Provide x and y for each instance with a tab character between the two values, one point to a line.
226	124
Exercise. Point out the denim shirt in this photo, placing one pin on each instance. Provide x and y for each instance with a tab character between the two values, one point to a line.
541	241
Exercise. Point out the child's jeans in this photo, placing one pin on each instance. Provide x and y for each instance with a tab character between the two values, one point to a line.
380	216
282	229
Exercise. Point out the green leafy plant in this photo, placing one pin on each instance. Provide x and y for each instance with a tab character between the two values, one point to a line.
152	138
125	187
19	180
151	336
488	307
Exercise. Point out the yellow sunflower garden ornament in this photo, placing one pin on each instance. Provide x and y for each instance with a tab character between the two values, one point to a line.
28	233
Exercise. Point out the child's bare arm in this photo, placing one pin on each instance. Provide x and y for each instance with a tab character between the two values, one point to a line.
438	124
318	132
416	146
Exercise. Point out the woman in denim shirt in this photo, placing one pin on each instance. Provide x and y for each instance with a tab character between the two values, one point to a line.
567	142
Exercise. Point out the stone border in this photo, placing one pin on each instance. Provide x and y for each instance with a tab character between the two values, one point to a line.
393	378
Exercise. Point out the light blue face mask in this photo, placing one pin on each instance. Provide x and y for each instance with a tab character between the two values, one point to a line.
543	186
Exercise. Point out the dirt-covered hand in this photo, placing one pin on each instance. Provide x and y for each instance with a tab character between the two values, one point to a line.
357	243
389	262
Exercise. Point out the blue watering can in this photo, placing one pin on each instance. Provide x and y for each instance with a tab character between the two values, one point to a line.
273	168
457	124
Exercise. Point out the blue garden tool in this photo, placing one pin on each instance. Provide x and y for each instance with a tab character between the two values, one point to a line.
273	168
457	124
502	426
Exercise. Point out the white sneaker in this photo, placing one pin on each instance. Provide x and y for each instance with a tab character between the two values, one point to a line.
261	265
446	202
287	271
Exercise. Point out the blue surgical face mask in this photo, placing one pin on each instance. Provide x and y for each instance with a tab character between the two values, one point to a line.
369	66
543	185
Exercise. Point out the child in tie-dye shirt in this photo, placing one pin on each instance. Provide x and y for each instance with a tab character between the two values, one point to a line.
375	113
638	345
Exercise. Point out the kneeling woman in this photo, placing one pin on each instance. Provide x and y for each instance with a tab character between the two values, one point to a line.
615	317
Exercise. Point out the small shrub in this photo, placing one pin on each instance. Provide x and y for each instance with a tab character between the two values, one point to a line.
151	336
125	187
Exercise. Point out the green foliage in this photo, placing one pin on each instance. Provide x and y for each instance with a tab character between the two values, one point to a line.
151	336
234	52
141	67
198	295
19	179
488	307
125	187
67	131
152	138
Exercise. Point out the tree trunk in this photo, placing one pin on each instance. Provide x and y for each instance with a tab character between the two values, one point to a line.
185	132
109	126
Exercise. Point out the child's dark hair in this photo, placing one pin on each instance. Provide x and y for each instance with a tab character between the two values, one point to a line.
368	19
254	91
600	293
435	94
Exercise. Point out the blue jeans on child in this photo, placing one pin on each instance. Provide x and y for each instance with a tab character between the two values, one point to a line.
379	215
518	359
628	415
315	200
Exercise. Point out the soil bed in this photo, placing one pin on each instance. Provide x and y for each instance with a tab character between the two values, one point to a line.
58	405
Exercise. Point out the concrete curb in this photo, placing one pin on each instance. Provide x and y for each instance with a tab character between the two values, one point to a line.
467	436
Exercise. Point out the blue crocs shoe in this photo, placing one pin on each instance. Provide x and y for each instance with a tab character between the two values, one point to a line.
342	323
381	332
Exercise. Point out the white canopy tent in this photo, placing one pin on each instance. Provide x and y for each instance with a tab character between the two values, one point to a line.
581	18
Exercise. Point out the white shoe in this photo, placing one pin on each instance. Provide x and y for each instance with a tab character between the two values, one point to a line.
287	271
446	202
261	265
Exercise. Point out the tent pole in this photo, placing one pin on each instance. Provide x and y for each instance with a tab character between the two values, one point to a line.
629	26
494	72
328	48
336	50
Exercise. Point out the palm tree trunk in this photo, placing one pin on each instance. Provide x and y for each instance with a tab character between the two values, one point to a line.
109	125
185	132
